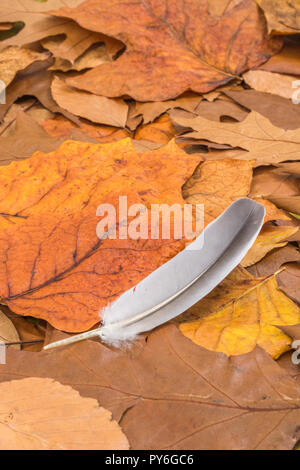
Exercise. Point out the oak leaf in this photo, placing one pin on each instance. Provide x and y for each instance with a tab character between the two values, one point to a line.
41	414
53	265
264	142
250	318
171	49
168	393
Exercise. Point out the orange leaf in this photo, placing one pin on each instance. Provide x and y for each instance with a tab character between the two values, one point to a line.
52	264
174	47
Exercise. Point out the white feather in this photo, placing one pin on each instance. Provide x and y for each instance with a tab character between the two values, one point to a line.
184	280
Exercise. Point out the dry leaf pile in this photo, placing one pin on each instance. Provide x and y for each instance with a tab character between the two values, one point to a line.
164	102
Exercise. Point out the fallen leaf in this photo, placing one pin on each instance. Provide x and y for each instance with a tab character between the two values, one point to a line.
91	58
250	318
269	82
100	109
61	271
8	333
35	81
39	414
150	111
190	398
287	60
274	260
280	111
36	24
269	238
220	109
163	57
283	16
161	131
292	168
265	143
289	281
27	138
14	59
72	41
216	184
63	128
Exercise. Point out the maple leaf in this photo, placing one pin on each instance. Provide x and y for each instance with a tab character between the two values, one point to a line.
248	319
168	393
61	271
172	47
50	411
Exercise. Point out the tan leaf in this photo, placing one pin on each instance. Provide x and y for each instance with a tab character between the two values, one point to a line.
13	59
91	58
95	108
41	414
287	60
274	260
269	82
8	332
265	143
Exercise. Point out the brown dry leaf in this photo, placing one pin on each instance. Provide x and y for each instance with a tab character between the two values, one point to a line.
283	189
283	16
13	59
34	81
41	414
164	58
100	109
61	271
289	203
27	137
273	261
190	398
292	168
269	82
61	127
161	131
72	42
8	332
150	111
280	111
220	109
248	319
287	60
270	237
91	58
37	24
265	143
289	281
217	183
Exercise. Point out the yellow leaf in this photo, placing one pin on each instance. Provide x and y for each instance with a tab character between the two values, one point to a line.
247	320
